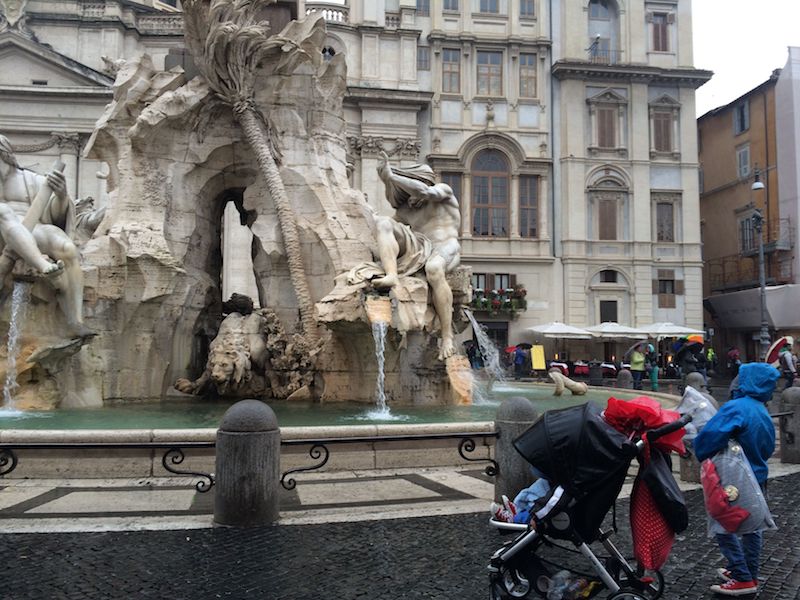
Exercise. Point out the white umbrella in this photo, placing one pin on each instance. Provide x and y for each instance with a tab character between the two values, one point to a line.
559	330
611	330
666	329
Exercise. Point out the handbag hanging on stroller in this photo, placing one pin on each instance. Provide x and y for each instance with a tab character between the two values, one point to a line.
585	454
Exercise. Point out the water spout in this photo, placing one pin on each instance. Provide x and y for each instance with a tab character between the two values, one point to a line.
379	312
19	301
490	353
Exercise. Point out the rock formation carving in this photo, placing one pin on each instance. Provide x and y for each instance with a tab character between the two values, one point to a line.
230	43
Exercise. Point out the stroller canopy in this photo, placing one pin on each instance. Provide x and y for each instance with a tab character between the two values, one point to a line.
575	448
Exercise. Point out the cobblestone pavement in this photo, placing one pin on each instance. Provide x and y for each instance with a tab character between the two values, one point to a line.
441	557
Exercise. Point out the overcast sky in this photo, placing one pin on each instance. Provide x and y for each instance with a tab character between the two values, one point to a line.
742	41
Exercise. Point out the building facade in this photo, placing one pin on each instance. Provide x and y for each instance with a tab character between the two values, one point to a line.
566	129
752	139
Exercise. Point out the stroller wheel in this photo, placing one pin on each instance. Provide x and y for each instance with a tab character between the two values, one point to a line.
627	595
648	584
510	583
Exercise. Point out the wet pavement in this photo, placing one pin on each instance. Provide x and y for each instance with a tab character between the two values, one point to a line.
395	539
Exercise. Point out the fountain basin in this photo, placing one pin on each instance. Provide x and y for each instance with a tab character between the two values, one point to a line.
146	462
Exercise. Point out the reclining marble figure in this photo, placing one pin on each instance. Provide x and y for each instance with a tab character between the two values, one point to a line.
422	236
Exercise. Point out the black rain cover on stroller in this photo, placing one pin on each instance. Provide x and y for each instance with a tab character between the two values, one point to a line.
575	448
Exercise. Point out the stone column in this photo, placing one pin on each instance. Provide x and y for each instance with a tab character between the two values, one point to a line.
514	416
247	466
69	146
790	425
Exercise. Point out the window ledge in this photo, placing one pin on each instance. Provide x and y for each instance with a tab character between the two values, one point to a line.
595	150
656	154
493	16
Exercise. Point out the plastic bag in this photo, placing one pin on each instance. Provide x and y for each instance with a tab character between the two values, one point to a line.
697	405
742	489
639	414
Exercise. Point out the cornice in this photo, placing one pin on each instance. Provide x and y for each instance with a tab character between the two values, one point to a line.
387	96
573	69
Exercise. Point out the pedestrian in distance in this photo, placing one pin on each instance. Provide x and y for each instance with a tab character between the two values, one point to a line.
746	419
787	366
637	366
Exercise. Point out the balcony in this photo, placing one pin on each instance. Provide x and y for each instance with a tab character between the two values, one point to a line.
332	12
604	56
735	271
499	303
778	237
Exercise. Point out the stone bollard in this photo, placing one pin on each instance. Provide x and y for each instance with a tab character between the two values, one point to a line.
625	379
690	469
248	466
514	416
790	425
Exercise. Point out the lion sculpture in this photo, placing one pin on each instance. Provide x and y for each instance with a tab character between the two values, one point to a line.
249	358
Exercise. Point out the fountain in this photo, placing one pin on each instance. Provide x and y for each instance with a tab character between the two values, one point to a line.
262	122
140	322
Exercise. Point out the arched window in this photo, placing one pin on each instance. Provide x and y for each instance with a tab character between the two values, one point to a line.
490	185
608	197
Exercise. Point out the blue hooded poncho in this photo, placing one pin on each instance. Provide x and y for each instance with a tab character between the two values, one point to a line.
745	419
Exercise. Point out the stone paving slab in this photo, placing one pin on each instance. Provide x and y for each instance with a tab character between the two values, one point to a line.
434	557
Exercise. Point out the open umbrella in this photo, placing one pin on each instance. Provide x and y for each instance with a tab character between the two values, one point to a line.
559	330
774	352
665	329
632	348
611	330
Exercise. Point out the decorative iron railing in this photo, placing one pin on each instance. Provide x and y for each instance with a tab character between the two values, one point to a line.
319	449
174	453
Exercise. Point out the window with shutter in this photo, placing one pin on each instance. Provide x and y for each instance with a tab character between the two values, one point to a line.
607	218
662	131
606	127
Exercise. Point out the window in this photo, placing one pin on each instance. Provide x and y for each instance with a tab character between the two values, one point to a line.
423	58
490	6
598	9
606	127
423	7
479	281
741	117
608	311
662	131
747	235
665	222
608	276
660	32
490	73
490	194
493	281
529	206
454	181
607	218
743	161
527	75
667	287
526	9
451	5
451	71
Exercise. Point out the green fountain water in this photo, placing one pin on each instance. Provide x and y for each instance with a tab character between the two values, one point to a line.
181	414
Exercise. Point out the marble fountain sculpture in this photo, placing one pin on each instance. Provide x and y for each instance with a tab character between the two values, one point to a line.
261	124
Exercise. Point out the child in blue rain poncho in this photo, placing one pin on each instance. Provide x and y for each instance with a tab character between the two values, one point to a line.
746	420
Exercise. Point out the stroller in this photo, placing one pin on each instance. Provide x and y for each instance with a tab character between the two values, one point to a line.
586	460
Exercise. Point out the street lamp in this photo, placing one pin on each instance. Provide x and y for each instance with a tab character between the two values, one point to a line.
758	225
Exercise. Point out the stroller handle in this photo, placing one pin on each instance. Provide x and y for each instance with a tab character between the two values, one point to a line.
654	434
